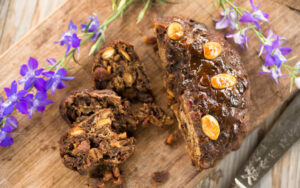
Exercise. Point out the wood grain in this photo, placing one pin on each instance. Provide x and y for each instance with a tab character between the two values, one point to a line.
33	161
19	16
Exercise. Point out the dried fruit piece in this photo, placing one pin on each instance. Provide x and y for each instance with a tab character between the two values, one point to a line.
172	137
103	122
124	54
108	53
107	176
101	74
76	131
210	126
171	94
128	79
175	31
212	50
221	81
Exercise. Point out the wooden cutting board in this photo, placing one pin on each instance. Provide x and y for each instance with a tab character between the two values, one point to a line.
33	160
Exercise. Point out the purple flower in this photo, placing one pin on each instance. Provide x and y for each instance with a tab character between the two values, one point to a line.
13	99
274	72
52	61
275	53
56	79
255	17
70	38
10	124
37	102
92	27
240	37
271	37
30	74
229	19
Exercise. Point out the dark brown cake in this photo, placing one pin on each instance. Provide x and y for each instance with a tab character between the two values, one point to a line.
95	145
209	86
118	67
152	115
83	103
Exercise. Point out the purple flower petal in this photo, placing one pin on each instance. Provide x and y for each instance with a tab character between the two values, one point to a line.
7	141
14	87
2	135
72	26
222	23
48	74
11	124
23	70
52	61
247	18
269	60
40	108
61	72
22	107
32	63
75	41
9	109
7	91
38	72
61	85
83	26
28	83
252	5
41	96
67	78
40	84
285	50
21	93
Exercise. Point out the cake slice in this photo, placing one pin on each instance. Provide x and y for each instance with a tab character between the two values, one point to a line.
81	104
209	87
94	146
118	67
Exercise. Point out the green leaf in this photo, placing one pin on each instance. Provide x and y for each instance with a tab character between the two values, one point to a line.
142	13
169	2
121	4
74	58
93	48
114	5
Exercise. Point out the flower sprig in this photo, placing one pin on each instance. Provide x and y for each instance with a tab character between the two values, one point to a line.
38	82
271	47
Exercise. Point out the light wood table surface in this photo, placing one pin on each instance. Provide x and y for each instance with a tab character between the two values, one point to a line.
18	17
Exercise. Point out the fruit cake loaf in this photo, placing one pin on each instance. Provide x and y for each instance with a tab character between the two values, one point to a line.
118	67
82	104
209	86
95	146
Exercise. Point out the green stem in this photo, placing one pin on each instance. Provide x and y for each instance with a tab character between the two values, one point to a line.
234	7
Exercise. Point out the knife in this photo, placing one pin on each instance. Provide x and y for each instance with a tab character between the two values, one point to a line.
278	140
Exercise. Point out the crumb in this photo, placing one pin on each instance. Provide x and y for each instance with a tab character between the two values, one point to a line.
45	148
159	177
150	39
172	137
53	147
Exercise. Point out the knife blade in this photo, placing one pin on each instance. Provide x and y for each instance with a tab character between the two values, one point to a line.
278	140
